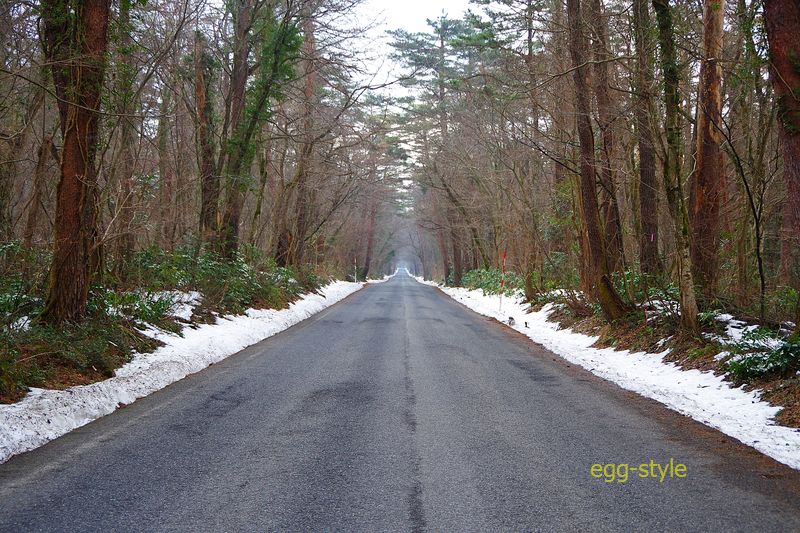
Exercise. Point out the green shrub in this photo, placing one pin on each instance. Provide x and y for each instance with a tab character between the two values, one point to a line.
558	271
140	305
309	280
782	302
97	345
33	354
249	279
23	279
632	284
15	378
490	279
708	318
157	270
760	354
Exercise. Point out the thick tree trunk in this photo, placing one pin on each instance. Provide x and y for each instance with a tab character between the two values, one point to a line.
612	224
209	180
372	215
78	84
673	166
442	242
458	269
235	164
648	187
304	165
782	20
708	182
612	305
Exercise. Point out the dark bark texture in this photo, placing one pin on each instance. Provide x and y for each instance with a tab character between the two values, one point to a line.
76	39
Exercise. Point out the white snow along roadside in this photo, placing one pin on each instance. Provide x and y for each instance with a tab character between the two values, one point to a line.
700	395
44	415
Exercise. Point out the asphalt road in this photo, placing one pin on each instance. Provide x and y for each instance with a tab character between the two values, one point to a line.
395	410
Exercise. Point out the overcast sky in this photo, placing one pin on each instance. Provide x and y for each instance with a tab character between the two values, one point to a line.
409	15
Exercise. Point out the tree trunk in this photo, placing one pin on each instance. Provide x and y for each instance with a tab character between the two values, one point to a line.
245	122
612	305
372	215
228	235
442	242
455	241
209	180
782	20
673	182
280	241
422	256
45	150
264	176
297	249
708	183
124	168
648	188
9	154
167	168
7	174
307	151
612	225
78	84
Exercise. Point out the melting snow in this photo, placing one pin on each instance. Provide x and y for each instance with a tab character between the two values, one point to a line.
44	415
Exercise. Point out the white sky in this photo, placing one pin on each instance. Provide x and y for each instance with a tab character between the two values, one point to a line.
409	15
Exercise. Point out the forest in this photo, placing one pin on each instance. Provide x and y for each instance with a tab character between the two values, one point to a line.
636	162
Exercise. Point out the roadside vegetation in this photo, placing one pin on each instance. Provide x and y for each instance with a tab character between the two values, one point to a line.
732	341
164	162
635	163
34	353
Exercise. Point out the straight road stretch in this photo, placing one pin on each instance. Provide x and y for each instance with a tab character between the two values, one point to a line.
397	409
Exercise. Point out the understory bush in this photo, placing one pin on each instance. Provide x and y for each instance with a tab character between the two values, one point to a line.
37	354
138	305
636	287
56	356
782	303
490	280
760	354
23	280
229	285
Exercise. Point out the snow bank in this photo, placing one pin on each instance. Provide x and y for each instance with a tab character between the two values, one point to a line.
701	395
184	304
44	415
424	281
386	277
